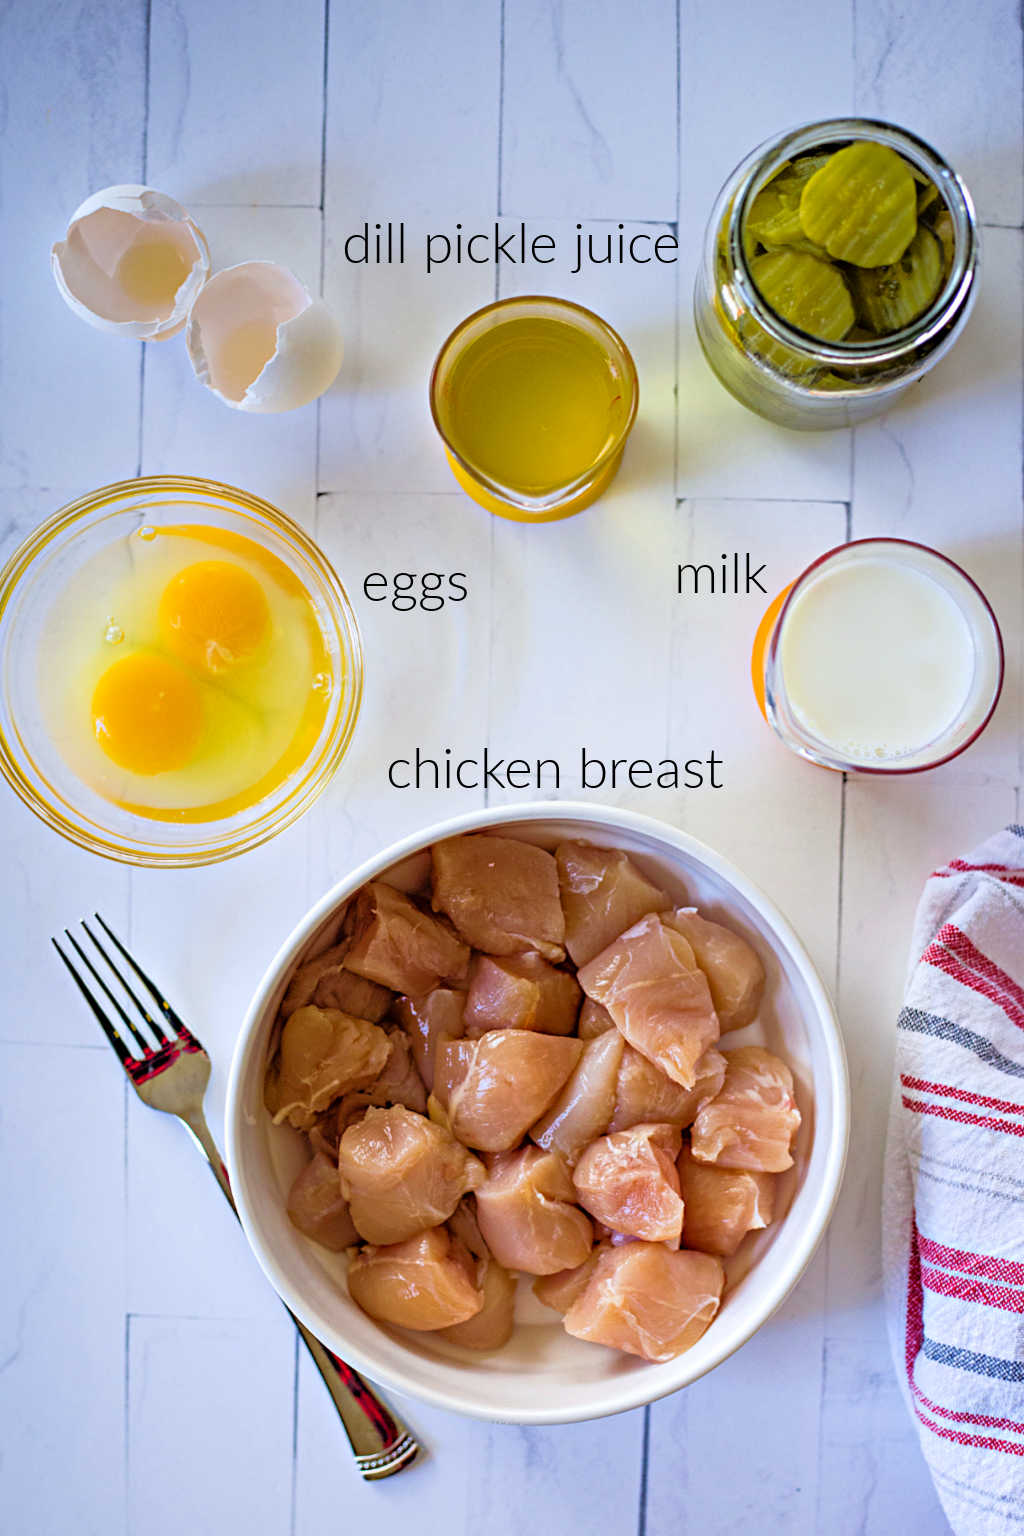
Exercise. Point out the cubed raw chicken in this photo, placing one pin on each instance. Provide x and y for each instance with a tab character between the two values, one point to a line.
399	1083
462	1223
398	945
650	983
583	1108
324	981
323	1054
520	992
501	894
318	1208
732	966
492	1326
751	1121
594	1020
644	1093
603	894
648	1300
629	1182
425	1019
401	1173
494	1088
427	1282
564	1287
722	1204
528	1215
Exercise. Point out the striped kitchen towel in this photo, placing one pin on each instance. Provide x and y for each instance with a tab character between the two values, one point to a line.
953	1208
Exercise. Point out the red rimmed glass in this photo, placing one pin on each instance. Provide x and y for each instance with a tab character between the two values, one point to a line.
987	677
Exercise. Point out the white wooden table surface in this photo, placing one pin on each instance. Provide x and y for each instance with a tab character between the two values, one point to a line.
150	1382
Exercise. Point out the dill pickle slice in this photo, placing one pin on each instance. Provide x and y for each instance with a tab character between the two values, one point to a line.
862	205
773	219
806	291
927	194
942	225
888	298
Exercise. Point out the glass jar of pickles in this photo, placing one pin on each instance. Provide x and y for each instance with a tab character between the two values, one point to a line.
840	263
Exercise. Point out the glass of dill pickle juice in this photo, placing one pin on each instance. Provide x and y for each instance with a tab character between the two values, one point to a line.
839	265
534	398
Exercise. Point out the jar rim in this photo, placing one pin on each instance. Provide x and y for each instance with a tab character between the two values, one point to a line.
763	163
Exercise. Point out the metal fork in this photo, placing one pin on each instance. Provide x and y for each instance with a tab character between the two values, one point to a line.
172	1076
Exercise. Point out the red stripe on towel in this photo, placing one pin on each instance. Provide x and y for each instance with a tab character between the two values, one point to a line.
943	960
961	1117
959	1286
988	1264
946	1090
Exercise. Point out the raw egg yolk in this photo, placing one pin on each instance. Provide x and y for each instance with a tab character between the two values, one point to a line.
147	714
214	614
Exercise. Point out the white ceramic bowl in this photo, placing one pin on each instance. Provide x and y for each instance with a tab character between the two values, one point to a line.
543	1376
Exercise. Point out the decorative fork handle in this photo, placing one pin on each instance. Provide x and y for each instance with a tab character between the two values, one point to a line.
380	1442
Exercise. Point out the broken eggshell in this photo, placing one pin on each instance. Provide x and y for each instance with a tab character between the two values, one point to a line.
260	341
132	263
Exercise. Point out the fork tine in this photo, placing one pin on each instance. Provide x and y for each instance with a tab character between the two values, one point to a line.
140	1005
121	1051
140	1040
154	991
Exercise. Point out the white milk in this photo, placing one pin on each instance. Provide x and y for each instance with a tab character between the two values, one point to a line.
877	659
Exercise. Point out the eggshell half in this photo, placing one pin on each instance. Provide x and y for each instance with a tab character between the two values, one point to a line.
260	341
132	263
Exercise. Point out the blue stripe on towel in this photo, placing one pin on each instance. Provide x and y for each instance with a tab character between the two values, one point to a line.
968	1360
922	1023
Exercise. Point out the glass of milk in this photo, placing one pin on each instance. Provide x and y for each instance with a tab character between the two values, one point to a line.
885	657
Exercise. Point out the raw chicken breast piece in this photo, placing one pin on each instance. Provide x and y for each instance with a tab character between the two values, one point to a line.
528	1215
427	1282
648	1300
324	981
583	1108
399	1083
594	1020
462	1223
603	894
650	983
318	1208
629	1182
492	1326
501	894
520	992
751	1121
323	1054
644	1093
732	966
494	1088
398	945
564	1287
425	1019
722	1204
401	1173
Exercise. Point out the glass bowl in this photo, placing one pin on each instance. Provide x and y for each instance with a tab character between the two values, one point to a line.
42	567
